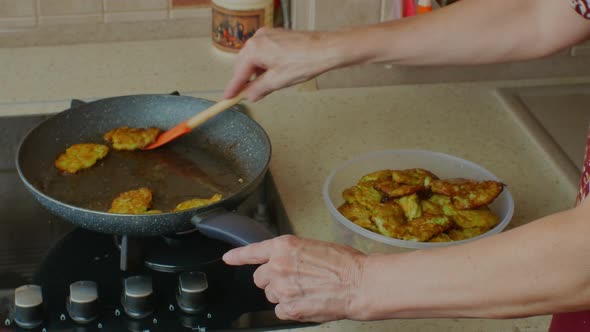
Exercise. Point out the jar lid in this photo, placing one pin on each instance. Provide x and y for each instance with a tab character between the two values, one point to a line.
243	4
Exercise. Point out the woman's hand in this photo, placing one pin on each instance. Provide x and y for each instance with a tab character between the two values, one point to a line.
282	58
308	280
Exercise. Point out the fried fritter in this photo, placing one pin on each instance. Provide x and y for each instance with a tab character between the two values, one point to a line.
440	200
411	206
430	207
364	194
468	194
359	215
442	237
444	203
414	205
81	156
400	183
378	175
414	176
126	138
132	202
480	218
425	227
458	234
389	219
197	203
393	189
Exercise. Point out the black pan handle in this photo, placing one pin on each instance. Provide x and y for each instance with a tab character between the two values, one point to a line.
232	228
77	103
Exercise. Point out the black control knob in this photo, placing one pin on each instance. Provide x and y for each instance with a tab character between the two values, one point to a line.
137	298
28	302
191	292
82	304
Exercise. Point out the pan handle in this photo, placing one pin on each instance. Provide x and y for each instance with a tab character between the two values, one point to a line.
232	228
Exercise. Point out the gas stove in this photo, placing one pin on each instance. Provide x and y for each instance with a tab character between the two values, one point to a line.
56	277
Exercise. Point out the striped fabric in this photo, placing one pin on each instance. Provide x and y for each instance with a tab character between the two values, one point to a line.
582	7
585	179
576	321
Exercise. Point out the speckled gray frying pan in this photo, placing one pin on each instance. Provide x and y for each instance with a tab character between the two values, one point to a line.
229	155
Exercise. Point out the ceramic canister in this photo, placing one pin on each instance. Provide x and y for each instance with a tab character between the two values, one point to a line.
235	21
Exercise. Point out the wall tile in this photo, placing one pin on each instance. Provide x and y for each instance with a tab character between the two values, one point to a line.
557	65
190	13
134	5
334	14
136	16
581	49
17	8
69	7
191	3
391	10
17	22
302	14
70	19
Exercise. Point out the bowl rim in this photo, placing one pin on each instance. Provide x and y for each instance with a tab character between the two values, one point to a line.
404	243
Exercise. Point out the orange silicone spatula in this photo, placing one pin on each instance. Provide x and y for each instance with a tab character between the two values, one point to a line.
188	125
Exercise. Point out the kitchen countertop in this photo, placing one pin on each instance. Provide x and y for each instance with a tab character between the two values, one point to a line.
311	130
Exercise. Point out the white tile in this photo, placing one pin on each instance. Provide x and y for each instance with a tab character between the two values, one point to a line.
17	8
134	5
582	49
190	13
302	14
17	23
69	7
136	16
391	10
70	19
193	3
334	14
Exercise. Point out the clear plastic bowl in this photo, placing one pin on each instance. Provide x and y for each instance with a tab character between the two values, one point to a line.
443	165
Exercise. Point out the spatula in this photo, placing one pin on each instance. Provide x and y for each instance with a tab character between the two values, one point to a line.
187	125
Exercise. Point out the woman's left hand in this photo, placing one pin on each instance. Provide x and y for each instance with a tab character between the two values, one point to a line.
309	280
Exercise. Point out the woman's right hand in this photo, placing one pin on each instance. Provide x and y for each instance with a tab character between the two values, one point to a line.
309	280
281	58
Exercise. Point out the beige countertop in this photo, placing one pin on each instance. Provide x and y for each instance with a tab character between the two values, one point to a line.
312	131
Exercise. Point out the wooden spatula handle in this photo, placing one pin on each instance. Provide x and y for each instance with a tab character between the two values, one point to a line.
213	111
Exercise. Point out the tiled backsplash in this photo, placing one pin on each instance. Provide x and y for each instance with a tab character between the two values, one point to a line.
26	23
343	13
180	3
15	14
52	22
334	14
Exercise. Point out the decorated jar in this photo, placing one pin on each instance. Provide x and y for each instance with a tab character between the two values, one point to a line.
236	21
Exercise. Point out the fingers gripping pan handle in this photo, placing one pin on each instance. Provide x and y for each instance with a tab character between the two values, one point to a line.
232	228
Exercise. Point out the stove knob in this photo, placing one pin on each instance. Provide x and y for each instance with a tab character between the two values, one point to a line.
28	302
137	298
191	292
82	304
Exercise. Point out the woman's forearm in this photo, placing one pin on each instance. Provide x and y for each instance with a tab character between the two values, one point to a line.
539	268
467	32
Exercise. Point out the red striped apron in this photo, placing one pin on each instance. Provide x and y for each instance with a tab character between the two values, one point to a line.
576	321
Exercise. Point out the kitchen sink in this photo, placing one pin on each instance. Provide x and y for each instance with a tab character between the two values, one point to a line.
557	119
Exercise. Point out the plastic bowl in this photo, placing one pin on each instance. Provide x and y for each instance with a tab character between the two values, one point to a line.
443	165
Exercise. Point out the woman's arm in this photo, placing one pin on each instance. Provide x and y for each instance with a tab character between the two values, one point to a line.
477	32
467	32
539	268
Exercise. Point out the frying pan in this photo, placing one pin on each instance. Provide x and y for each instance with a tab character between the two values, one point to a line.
228	155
